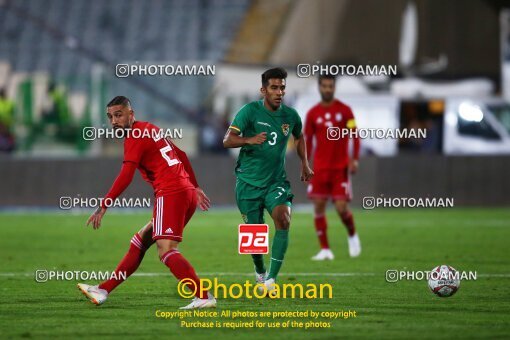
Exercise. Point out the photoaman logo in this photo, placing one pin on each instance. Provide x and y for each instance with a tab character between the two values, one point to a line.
187	288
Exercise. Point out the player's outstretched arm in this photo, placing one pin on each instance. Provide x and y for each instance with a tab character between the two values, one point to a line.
96	217
232	139
121	183
306	172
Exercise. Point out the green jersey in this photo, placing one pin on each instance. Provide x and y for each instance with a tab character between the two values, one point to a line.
260	165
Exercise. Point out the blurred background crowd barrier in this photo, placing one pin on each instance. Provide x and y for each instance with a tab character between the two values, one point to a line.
58	63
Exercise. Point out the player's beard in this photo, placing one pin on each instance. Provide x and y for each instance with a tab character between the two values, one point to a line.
327	97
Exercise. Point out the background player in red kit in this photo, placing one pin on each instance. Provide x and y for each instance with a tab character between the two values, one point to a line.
177	195
331	164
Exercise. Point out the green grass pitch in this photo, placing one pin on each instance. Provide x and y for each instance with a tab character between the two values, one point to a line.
467	239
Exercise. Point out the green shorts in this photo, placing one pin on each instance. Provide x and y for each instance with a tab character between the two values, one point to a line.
252	200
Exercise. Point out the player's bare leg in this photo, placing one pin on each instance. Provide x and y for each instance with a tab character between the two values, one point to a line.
321	227
281	216
140	242
182	269
348	220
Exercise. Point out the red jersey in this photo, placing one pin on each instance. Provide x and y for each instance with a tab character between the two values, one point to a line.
157	160
328	151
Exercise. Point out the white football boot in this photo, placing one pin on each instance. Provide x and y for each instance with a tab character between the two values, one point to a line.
324	254
198	303
260	278
269	287
96	295
354	245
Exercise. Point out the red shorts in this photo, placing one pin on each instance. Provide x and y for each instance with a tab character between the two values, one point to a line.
334	184
172	213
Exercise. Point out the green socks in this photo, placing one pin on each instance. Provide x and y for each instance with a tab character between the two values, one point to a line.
280	243
258	261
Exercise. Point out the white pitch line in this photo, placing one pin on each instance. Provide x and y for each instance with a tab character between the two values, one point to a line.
250	274
212	274
282	274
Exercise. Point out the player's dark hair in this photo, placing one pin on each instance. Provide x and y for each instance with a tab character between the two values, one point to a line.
119	100
273	73
326	76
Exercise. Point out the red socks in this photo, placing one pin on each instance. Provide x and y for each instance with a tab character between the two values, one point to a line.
348	221
129	264
178	265
182	269
321	226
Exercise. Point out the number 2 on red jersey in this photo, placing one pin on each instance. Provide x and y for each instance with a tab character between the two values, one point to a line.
164	152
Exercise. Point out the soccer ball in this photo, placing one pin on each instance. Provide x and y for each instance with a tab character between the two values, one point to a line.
444	280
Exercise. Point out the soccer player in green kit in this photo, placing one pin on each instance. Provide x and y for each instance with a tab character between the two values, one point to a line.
261	129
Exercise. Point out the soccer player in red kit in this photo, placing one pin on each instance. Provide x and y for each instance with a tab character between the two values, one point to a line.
177	195
331	164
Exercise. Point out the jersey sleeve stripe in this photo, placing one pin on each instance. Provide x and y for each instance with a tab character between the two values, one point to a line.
235	128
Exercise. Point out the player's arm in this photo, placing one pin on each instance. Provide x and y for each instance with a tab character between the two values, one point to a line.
306	172
309	133
233	139
241	122
122	181
300	143
133	151
203	201
353	161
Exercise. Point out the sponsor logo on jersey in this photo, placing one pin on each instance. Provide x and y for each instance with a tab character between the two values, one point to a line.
285	129
264	123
